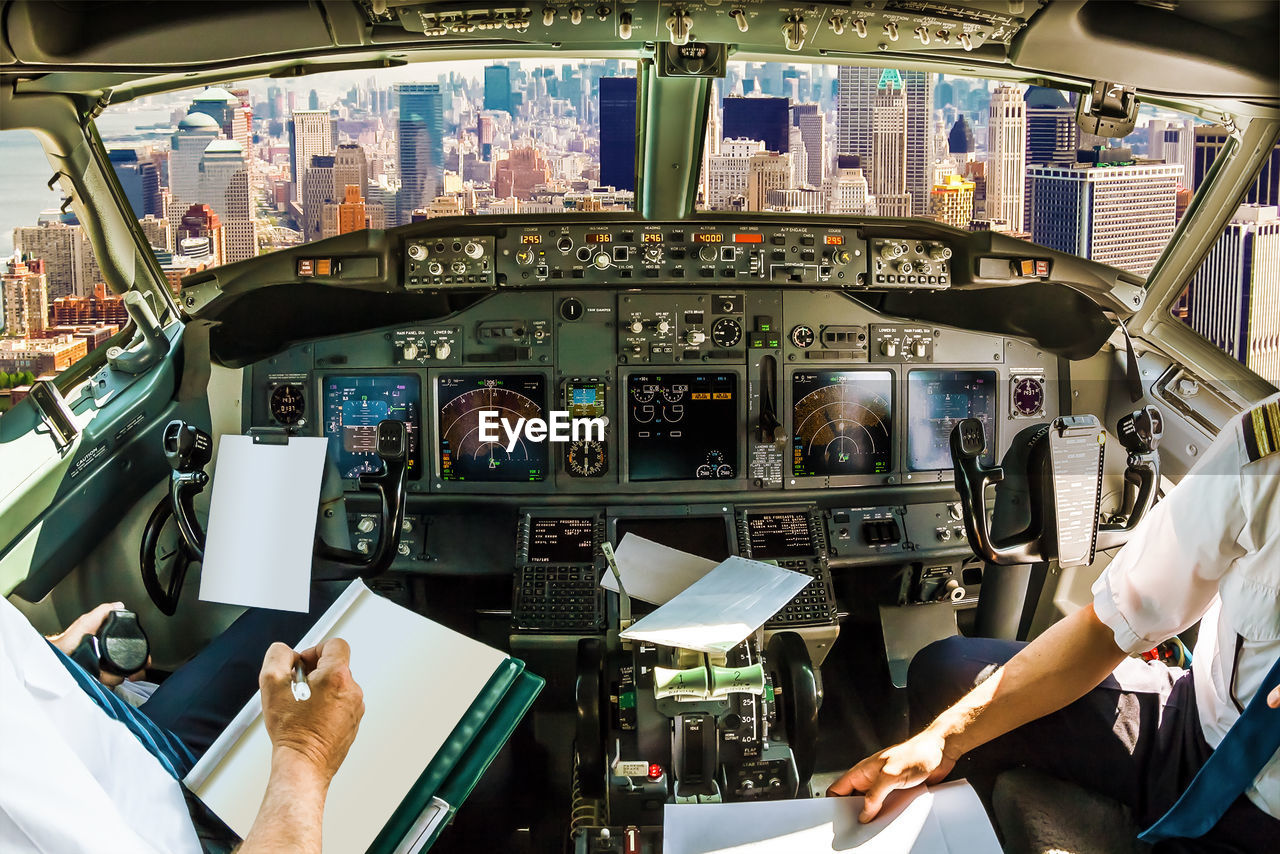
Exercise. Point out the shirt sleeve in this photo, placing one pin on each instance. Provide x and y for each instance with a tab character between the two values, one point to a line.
1166	577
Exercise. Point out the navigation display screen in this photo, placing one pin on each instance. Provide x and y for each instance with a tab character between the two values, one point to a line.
842	423
779	535
353	407
682	426
466	455
704	536
562	540
936	400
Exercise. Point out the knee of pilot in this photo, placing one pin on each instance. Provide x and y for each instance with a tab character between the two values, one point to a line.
935	669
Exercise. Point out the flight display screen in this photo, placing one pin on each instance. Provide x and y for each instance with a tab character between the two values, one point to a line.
842	423
779	535
704	536
466	455
562	540
936	400
682	426
353	408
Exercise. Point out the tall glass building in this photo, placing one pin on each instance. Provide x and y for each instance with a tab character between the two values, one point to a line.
421	135
618	132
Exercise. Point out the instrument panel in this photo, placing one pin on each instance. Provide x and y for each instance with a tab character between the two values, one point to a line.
697	357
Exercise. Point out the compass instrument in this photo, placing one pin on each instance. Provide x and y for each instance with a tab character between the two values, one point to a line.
466	453
842	423
1026	396
288	404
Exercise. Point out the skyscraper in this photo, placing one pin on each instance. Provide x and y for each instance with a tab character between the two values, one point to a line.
951	201
1006	156
69	263
186	149
846	190
920	150
201	236
960	140
421	142
856	89
889	146
618	132
350	168
727	173
1234	298
1120	213
809	119
766	170
224	186
124	162
311	132
26	297
1052	133
1209	142
318	189
497	88
765	119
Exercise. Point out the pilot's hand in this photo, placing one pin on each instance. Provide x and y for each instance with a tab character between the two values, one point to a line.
88	624
915	761
319	731
1273	699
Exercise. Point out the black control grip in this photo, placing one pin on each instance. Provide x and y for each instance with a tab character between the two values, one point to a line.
122	644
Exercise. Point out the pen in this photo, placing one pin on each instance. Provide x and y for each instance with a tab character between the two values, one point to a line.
301	688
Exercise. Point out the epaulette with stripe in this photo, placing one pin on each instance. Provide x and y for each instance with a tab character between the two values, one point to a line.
1261	427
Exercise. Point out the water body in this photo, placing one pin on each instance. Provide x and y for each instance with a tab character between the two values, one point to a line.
24	170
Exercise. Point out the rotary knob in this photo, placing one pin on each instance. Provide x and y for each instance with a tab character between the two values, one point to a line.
473	250
889	347
442	350
919	349
435	268
636	327
601	260
458	266
695	337
663	327
524	257
365	525
417	251
707	253
409	351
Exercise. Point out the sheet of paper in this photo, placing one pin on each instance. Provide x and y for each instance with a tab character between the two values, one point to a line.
262	523
946	819
812	826
963	819
654	572
722	608
418	678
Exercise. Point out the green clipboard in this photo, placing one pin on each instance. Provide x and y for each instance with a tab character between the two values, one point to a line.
451	776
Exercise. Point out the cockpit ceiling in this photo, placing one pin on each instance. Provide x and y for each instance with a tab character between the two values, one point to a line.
1195	48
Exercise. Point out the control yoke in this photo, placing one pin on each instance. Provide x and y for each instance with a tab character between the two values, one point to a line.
188	449
1139	432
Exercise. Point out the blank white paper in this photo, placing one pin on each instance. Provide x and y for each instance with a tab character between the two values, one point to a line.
418	677
653	572
722	608
946	819
262	523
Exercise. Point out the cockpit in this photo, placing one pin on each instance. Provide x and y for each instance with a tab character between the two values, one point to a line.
921	308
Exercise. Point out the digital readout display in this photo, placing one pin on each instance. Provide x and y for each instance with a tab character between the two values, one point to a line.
651	237
531	239
562	540
604	237
775	535
834	240
708	237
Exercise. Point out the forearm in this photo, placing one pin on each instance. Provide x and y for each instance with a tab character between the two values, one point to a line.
292	811
1054	670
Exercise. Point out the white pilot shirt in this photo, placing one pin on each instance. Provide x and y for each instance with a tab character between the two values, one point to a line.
1210	550
71	778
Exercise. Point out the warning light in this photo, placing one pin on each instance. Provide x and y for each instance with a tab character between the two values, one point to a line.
655	771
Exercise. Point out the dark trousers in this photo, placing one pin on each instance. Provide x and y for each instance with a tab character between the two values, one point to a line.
198	701
1135	738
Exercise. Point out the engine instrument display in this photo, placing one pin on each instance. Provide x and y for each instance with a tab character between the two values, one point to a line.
779	535
682	426
353	408
936	400
466	454
842	423
562	540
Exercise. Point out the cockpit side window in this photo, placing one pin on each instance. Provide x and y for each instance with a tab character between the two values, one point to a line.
55	305
1233	300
